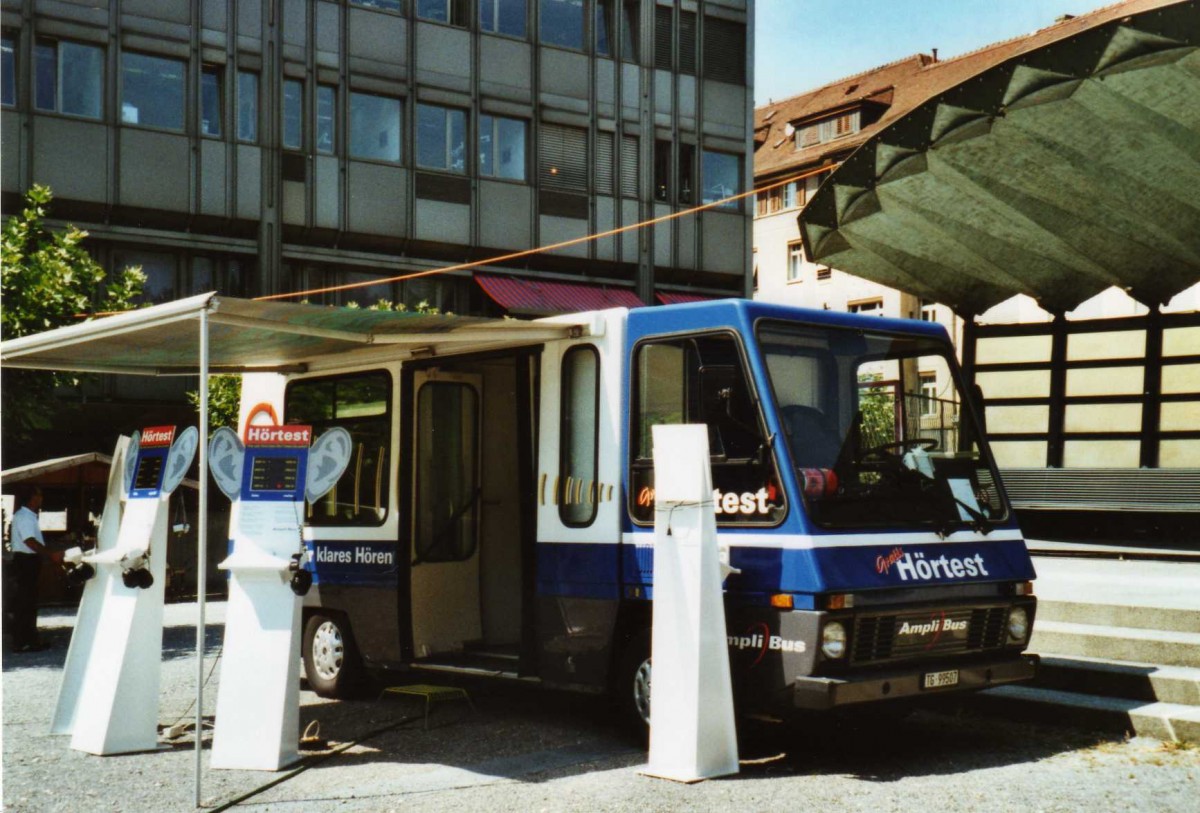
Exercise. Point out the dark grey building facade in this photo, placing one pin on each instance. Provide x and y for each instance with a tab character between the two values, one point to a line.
265	146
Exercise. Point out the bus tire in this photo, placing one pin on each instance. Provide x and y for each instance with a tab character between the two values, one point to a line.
331	660
631	687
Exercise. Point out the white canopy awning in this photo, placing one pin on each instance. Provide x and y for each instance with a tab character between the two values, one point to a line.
249	336
213	334
33	471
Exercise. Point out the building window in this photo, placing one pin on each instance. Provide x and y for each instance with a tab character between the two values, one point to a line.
664	40
722	176
605	173
441	138
795	260
386	5
210	100
663	37
562	23
929	393
293	114
829	129
68	78
867	307
630	18
768	201
724	50
578	436
686	179
793	195
563	157
502	147
503	17
687	172
326	119
454	12
824	273
247	106
929	311
152	91
8	71
630	177
374	127
159	268
662	169
604	27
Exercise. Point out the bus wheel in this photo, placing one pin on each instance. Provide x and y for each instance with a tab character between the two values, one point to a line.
330	657
632	686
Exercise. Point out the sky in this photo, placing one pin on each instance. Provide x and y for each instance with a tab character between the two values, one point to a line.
803	44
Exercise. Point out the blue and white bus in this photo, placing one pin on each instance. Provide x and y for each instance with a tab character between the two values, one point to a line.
496	518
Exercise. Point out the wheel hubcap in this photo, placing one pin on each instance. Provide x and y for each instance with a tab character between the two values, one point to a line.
328	650
641	691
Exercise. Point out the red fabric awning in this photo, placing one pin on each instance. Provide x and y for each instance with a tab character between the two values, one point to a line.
676	298
544	298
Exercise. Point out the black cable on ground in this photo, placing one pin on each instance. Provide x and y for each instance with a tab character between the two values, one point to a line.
310	762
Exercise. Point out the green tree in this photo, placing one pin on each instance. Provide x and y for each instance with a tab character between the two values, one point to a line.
49	280
877	403
224	397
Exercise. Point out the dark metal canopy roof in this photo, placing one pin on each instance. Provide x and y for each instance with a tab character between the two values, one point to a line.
1068	168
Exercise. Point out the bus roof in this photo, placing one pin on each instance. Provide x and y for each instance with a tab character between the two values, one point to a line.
745	313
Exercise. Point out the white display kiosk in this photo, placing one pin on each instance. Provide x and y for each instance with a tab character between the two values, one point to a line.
693	734
268	478
87	618
109	699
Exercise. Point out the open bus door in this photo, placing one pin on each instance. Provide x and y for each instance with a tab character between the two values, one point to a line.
447	492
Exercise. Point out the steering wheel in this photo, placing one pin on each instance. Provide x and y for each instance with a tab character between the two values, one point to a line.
884	451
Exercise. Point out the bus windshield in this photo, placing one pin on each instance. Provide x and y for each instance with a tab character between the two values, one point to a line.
877	430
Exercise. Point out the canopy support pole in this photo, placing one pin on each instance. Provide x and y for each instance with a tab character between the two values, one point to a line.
202	547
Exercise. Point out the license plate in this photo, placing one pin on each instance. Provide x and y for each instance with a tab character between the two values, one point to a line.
935	680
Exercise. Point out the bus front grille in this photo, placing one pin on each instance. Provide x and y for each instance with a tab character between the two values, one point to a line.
927	634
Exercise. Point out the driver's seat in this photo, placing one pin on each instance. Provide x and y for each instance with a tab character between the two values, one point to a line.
812	437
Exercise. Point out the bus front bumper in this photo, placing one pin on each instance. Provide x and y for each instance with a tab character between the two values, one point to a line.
820	693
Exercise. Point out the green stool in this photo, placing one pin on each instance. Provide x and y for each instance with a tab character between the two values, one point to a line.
432	694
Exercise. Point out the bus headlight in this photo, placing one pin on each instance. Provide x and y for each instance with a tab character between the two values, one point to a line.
833	640
1018	624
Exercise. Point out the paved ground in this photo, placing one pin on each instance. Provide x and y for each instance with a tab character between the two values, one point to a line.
527	750
1173	585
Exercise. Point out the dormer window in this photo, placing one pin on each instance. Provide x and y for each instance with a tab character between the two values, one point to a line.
828	129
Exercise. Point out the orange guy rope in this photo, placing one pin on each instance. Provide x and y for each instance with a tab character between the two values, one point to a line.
540	249
531	251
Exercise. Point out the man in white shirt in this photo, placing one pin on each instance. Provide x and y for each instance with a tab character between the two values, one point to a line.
28	548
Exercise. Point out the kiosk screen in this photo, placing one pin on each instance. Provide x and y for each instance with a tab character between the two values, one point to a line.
148	473
274	474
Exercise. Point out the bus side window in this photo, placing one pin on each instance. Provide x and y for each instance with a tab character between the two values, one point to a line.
362	404
578	438
703	379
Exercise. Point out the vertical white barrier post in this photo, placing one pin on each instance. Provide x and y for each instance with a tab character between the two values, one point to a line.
88	618
693	735
116	709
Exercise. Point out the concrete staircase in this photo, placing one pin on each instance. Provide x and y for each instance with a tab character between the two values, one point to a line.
1120	647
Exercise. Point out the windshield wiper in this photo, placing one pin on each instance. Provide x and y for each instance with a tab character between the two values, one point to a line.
979	524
